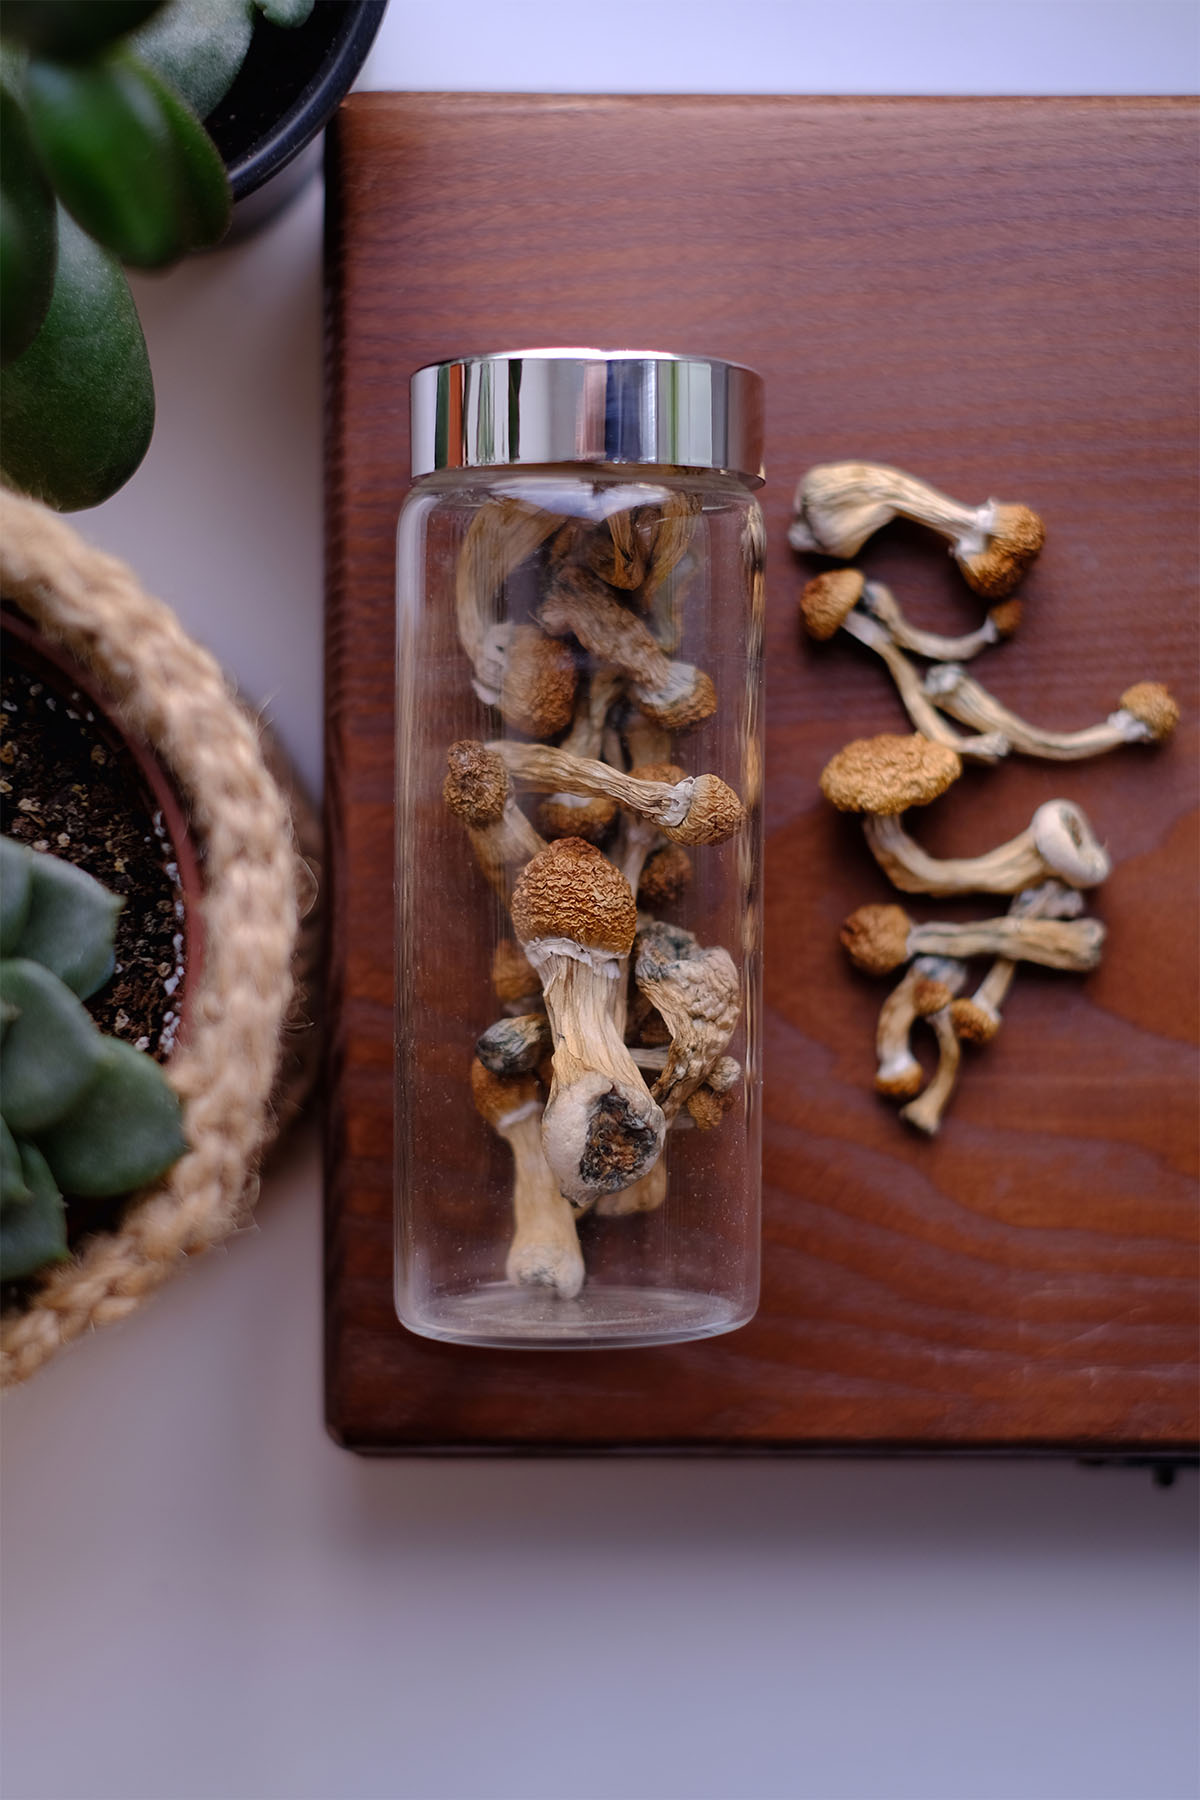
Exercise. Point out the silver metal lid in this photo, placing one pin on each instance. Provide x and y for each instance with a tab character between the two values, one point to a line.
587	406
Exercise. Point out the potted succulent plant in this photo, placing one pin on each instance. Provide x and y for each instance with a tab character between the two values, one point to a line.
82	1113
124	753
104	162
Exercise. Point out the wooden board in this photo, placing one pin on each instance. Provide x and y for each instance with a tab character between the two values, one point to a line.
999	295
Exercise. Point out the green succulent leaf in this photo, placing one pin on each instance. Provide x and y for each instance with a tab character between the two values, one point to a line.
71	924
16	886
72	28
14	1189
130	162
126	1131
285	12
197	47
28	233
52	1051
77	410
33	1233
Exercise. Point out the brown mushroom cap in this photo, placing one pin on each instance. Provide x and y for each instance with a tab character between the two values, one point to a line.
930	997
903	1086
1015	539
828	598
662	771
540	678
714	814
513	975
665	877
571	890
1154	705
1006	616
708	1109
563	815
496	1095
476	785
876	938
972	1022
886	774
679	711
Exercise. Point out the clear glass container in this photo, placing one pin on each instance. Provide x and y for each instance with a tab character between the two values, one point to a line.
578	782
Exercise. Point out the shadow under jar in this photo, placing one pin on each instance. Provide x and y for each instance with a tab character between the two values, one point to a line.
579	609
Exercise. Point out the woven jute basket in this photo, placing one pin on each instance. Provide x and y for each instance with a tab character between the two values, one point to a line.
246	1058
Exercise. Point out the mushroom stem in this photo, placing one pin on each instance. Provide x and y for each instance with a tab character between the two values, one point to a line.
696	991
977	1019
700	809
989	747
644	1195
882	603
544	1250
928	985
1146	715
840	505
675	694
602	1129
639	835
575	918
645	740
880	938
668	540
501	536
478	791
577	815
517	668
1058	842
925	1112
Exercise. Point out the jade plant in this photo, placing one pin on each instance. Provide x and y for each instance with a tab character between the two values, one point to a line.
81	1114
104	161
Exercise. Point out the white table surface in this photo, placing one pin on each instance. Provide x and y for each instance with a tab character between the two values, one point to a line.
204	1599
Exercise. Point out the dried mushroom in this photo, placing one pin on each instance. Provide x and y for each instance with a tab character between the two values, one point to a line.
840	505
881	777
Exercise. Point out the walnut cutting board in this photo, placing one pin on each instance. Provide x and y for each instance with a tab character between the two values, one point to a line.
999	295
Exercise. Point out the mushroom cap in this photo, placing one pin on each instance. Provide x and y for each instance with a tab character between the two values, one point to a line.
476	785
537	694
571	890
1154	705
1016	536
687	698
1006	616
706	1108
496	1095
513	975
1063	837
714	814
659	771
929	997
876	938
886	774
972	1022
576	815
514	1046
828	598
903	1085
665	877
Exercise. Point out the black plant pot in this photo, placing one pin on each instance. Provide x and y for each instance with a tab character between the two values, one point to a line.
268	125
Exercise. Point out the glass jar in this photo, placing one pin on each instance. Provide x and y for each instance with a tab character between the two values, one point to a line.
579	608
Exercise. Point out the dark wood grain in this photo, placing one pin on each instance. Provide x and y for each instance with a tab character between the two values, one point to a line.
999	295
